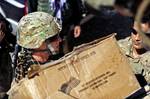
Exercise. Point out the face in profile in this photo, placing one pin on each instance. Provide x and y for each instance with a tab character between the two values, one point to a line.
135	36
48	48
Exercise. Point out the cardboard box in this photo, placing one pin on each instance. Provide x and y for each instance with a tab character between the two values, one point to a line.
97	70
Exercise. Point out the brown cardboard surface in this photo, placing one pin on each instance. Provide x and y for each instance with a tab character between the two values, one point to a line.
97	70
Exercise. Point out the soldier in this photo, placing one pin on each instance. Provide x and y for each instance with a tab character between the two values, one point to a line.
139	56
38	36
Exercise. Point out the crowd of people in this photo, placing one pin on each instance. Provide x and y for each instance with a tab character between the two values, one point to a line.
53	28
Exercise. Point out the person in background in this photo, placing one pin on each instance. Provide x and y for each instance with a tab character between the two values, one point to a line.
7	42
138	55
108	21
72	21
69	12
38	37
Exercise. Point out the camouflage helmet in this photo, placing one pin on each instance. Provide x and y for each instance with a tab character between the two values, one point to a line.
35	28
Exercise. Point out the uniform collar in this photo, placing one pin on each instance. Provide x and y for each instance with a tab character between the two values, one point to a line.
129	54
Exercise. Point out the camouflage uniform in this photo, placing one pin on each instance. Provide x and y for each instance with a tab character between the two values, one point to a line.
141	65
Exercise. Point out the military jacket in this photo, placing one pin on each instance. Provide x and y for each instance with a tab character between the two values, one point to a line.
140	65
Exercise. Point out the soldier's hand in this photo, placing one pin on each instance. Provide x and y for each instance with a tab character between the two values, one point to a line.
77	31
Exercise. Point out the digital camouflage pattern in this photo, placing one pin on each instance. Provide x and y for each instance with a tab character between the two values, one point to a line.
35	28
145	61
139	65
